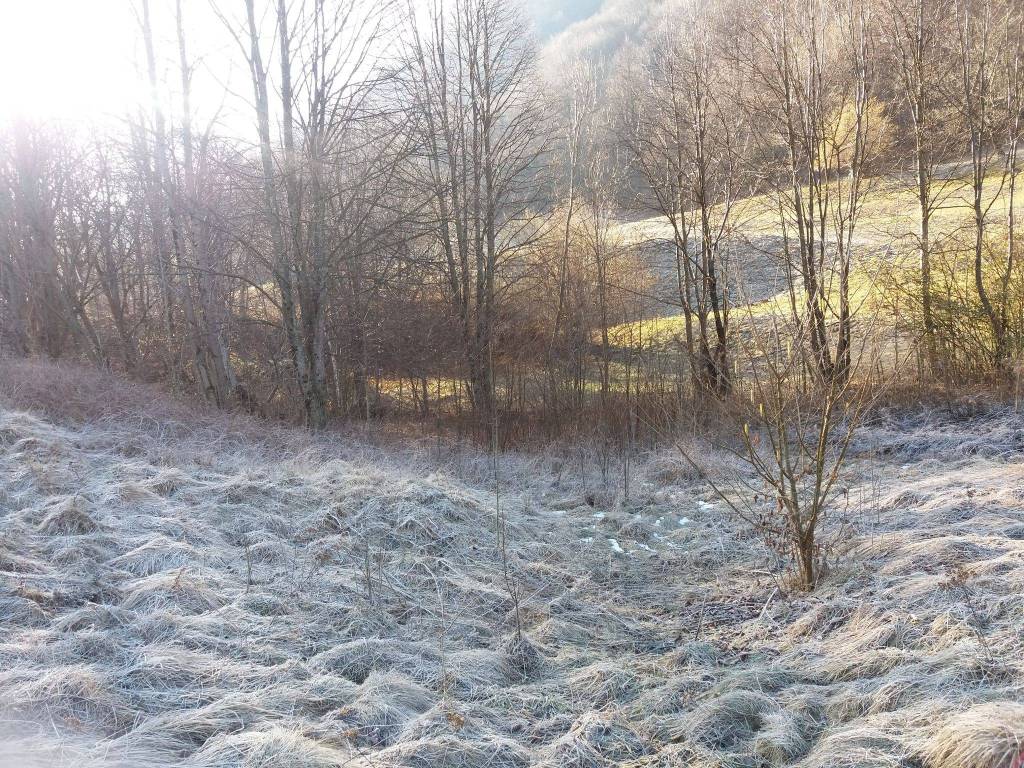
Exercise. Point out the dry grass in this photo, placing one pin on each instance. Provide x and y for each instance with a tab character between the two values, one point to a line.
194	589
986	735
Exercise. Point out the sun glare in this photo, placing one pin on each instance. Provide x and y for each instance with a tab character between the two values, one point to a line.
67	58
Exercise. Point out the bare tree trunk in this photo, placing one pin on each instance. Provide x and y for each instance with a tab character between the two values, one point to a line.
158	179
211	349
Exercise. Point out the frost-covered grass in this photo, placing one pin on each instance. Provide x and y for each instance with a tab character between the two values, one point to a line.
185	588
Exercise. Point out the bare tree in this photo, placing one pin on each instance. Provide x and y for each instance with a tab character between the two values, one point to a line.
326	83
1011	47
796	441
976	100
811	93
686	141
203	308
479	121
916	33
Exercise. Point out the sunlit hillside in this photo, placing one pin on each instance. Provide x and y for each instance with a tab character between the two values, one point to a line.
886	241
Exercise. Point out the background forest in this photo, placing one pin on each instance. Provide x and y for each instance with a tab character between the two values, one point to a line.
416	213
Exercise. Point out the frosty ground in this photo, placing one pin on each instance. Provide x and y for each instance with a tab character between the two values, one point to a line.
183	588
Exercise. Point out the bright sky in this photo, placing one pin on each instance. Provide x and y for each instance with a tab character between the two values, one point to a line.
66	57
77	58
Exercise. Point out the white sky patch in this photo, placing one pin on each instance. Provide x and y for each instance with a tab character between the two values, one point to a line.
84	61
66	58
81	60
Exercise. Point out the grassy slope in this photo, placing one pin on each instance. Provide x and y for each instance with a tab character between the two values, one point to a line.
183	589
887	227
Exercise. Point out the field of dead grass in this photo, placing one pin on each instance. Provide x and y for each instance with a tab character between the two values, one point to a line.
182	588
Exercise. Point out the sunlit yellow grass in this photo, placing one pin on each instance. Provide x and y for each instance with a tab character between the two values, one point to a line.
889	211
887	226
407	393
